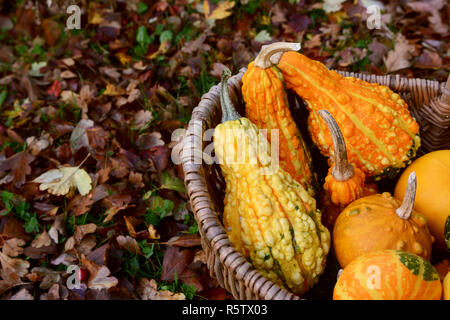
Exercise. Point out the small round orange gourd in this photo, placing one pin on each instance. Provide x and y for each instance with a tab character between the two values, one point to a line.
388	275
379	222
433	192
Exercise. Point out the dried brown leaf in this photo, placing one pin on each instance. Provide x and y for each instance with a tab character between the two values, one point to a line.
148	290
19	164
400	57
99	275
43	240
12	247
83	230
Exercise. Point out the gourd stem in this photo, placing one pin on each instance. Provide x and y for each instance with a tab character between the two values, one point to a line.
405	210
271	54
342	169
228	110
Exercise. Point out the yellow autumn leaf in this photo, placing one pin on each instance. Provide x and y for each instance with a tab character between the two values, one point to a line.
123	58
206	9
222	10
112	90
60	181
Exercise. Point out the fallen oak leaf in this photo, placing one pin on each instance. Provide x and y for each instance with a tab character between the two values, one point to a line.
79	137
148	290
399	58
65	259
12	247
13	228
128	243
130	227
13	266
39	253
87	244
46	276
219	13
99	275
43	240
177	262
83	230
19	164
116	203
60	181
52	294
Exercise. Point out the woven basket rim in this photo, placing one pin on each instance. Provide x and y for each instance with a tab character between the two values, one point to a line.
213	234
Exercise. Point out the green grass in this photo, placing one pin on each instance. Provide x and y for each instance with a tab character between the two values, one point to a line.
21	209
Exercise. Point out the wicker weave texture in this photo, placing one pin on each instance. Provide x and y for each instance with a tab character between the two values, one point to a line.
429	103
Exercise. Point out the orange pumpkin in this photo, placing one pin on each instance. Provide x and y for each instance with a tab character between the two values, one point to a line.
379	222
388	275
433	191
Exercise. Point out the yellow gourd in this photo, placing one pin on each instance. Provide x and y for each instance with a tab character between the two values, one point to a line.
269	217
381	222
433	191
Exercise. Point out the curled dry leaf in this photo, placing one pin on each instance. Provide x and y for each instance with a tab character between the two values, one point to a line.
222	11
19	165
99	275
60	181
39	253
130	227
12	247
13	269
81	231
79	137
128	243
43	240
87	244
142	118
47	277
36	145
148	290
400	57
58	227
65	259
135	178
116	203
52	294
152	232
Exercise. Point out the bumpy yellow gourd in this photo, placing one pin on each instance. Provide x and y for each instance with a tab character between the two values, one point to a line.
269	217
380	133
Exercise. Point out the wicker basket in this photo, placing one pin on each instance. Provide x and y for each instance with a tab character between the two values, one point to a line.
429	102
